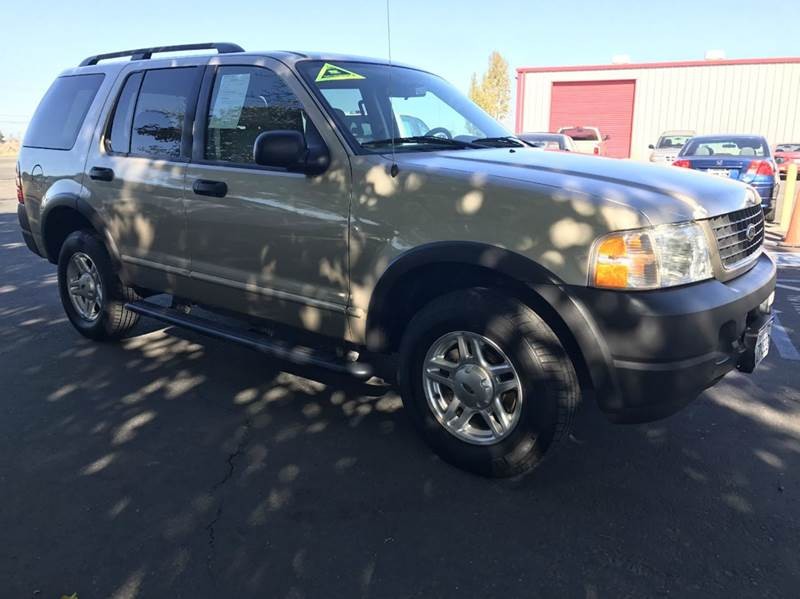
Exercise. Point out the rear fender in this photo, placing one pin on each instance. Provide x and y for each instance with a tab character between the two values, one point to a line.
54	203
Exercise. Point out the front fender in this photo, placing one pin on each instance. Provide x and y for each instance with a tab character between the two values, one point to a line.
562	311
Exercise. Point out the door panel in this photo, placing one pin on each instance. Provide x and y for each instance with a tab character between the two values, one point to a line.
273	230
275	245
136	175
144	209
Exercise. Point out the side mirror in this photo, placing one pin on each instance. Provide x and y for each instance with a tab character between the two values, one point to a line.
288	149
651	147
284	149
606	137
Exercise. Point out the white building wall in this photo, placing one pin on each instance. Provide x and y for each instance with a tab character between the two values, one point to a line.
762	99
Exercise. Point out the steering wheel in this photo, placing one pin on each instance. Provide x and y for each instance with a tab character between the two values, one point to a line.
439	132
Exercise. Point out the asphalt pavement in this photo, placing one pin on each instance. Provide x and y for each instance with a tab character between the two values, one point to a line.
171	465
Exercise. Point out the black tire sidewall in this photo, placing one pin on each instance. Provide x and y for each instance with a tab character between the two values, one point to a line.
497	318
82	241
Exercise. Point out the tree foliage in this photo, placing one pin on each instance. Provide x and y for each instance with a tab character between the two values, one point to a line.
2	137
493	92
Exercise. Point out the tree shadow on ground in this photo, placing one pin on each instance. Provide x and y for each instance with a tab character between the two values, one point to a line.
174	465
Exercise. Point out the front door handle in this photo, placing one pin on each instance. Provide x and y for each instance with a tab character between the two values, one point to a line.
206	187
100	173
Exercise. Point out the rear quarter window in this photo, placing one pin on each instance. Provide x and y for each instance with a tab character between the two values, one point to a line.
61	113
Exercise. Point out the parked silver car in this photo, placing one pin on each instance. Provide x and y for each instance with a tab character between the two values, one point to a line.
669	144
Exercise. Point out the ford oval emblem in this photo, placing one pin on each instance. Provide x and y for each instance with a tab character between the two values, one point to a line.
750	233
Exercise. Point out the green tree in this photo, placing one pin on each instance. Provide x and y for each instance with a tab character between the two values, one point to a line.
2	137
493	93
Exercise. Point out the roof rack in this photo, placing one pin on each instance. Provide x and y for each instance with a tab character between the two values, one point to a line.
147	53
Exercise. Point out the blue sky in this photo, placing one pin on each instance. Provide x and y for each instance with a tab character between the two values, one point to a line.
450	37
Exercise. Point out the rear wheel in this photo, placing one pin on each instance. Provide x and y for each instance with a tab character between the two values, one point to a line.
92	294
486	382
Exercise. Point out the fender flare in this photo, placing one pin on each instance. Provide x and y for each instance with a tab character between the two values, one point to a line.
532	276
85	209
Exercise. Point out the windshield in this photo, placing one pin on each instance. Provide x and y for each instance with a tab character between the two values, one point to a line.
673	141
374	103
787	148
725	146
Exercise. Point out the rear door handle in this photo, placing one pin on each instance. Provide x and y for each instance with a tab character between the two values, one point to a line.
206	187
100	173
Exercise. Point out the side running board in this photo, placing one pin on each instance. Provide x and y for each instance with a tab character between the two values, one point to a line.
277	349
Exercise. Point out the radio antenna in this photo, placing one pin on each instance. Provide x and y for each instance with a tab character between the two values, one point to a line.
394	169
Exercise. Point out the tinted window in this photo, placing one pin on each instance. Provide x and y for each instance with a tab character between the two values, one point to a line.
119	138
725	146
245	102
61	112
160	112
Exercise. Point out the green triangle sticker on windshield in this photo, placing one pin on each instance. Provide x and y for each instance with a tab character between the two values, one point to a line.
330	72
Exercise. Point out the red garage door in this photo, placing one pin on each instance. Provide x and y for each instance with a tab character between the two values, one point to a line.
607	105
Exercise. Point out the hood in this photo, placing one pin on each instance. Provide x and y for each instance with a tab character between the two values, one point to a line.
660	194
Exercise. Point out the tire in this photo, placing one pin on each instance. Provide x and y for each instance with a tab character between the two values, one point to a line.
546	380
770	215
108	318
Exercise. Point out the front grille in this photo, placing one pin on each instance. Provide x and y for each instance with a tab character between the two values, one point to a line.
734	244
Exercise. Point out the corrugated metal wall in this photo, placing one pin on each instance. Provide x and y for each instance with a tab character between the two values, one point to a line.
746	98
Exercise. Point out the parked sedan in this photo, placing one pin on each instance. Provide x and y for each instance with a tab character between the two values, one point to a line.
785	154
746	158
550	141
668	145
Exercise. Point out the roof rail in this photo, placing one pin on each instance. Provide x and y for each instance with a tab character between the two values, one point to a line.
146	53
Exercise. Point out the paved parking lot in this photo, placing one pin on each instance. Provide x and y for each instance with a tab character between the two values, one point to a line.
171	465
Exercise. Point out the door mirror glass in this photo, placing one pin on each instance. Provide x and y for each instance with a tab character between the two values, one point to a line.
652	147
282	149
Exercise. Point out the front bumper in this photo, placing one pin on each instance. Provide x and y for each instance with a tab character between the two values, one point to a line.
667	346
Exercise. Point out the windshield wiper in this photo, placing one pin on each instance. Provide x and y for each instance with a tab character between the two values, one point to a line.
508	141
421	139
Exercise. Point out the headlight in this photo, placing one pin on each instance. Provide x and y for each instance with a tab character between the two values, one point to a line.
753	199
650	258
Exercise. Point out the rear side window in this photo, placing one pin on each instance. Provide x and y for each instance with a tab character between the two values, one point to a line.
158	119
57	121
119	138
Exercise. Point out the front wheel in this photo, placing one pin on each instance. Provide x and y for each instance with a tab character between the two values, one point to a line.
91	292
486	382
